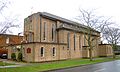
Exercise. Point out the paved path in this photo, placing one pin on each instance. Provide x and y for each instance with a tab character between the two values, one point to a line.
17	64
11	66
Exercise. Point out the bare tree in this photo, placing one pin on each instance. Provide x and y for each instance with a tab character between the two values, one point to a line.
112	35
7	22
95	25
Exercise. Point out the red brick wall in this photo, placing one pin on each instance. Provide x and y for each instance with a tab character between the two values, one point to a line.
3	51
13	39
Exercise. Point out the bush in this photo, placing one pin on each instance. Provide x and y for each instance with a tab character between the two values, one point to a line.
13	56
19	57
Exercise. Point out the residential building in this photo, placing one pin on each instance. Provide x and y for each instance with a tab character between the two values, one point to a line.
7	39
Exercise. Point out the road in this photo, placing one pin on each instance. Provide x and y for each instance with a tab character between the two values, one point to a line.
113	66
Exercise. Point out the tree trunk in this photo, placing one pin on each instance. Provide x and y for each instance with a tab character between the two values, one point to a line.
114	56
90	54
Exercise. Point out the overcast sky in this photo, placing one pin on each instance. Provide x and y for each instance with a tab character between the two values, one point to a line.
64	8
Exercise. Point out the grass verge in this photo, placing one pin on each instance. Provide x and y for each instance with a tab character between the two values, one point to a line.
36	67
5	64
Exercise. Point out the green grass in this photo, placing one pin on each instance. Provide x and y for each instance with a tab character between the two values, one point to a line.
36	67
5	64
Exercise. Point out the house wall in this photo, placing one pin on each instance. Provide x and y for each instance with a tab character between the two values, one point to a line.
12	39
29	57
60	52
105	50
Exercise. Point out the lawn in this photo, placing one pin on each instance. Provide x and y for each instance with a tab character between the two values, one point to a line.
4	64
36	67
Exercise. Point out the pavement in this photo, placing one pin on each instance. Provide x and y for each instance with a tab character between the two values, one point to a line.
15	64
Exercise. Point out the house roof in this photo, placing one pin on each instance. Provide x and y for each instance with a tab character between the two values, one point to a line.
69	22
61	19
76	29
54	17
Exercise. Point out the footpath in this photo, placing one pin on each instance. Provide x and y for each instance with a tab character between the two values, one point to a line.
15	64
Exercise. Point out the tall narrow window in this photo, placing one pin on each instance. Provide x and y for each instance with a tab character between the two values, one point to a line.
52	32
80	43
26	38
68	40
30	37
54	51
42	52
30	27
23	51
74	42
44	31
84	40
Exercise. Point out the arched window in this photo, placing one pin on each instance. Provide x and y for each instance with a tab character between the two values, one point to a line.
28	50
42	52
53	51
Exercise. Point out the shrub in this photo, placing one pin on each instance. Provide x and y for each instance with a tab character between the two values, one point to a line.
13	56
19	57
